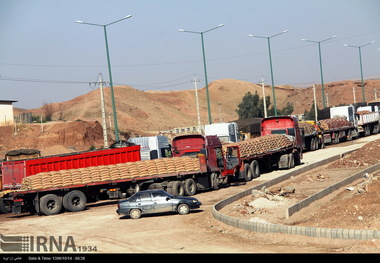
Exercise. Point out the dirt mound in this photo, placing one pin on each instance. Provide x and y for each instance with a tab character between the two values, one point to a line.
52	138
368	155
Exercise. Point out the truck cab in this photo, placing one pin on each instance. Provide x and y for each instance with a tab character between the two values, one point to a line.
153	147
192	145
227	132
286	125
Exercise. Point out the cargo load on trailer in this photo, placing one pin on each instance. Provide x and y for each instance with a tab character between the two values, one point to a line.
103	173
262	145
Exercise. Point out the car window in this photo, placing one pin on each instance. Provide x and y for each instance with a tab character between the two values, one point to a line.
159	196
144	197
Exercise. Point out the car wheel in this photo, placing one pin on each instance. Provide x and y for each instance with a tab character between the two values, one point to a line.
135	213
183	209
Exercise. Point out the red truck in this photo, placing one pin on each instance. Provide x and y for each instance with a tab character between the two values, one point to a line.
13	172
182	175
274	149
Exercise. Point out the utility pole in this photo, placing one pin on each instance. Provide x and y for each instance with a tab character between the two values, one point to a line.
197	102
264	99
315	104
354	92
102	105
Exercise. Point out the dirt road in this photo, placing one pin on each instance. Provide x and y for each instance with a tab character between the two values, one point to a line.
100	228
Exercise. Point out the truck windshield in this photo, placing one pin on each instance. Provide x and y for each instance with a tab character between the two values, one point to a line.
283	132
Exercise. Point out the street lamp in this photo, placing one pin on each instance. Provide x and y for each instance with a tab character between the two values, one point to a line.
320	65
204	65
271	68
109	69
360	60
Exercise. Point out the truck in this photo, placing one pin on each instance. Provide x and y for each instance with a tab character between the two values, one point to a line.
153	147
274	149
312	135
188	171
368	119
13	172
226	131
198	163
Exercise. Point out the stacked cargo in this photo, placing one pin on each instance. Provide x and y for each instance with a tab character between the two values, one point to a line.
307	127
110	172
334	123
263	144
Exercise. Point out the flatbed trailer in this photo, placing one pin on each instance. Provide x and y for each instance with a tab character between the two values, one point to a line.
74	198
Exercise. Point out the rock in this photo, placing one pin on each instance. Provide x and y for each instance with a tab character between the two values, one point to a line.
287	190
257	193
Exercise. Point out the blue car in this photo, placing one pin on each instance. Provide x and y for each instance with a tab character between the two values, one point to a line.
156	201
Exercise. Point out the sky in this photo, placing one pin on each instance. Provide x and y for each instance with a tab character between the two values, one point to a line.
46	57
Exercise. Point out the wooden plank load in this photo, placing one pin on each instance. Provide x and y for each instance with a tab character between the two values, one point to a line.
101	173
334	123
261	145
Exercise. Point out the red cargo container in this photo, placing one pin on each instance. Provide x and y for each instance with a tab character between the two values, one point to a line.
14	171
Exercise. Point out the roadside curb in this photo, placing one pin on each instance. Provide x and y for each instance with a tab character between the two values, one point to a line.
298	230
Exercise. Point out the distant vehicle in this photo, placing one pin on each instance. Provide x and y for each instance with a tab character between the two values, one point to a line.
154	147
227	132
156	201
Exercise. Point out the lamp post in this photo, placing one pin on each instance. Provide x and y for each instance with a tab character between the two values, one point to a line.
320	65
360	61
270	64
204	65
109	68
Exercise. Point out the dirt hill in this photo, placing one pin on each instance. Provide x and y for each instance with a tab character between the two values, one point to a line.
152	111
52	138
148	112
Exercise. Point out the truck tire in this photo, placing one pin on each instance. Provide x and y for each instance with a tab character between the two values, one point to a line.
190	186
183	209
214	177
74	201
291	161
247	172
50	204
4	207
255	168
176	188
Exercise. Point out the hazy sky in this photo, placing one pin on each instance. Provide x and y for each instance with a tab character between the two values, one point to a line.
46	57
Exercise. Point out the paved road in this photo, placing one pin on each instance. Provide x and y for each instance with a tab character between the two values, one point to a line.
329	151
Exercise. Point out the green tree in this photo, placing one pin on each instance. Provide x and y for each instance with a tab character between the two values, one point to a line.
252	106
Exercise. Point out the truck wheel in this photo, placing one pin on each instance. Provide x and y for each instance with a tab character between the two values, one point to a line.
247	172
255	168
176	188
74	201
190	187
4	207
135	213
183	209
50	204
291	161
214	181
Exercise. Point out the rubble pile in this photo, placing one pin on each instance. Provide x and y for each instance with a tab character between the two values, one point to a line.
110	172
263	144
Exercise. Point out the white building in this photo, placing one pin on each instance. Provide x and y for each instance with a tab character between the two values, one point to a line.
6	112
